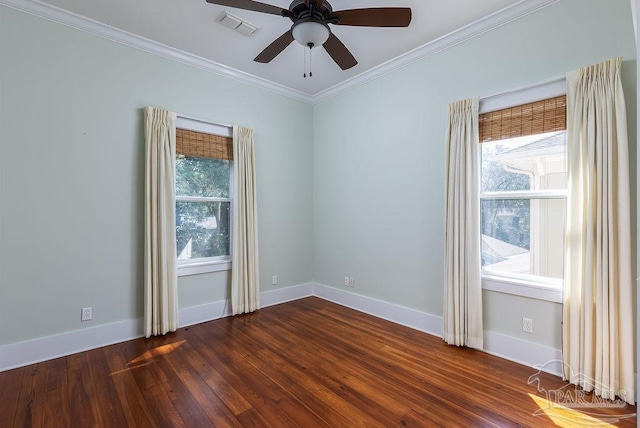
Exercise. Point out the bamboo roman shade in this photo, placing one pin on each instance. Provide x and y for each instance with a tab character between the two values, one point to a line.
201	145
528	119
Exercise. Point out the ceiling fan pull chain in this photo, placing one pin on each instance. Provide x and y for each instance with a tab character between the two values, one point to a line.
304	54
310	57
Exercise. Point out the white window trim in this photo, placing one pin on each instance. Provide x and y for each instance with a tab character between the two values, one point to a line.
521	287
525	194
546	289
209	264
536	92
199	266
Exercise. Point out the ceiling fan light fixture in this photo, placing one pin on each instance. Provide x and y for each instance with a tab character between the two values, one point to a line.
310	33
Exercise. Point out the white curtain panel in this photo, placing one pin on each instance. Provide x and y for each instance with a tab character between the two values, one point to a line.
245	288
462	315
598	345
160	274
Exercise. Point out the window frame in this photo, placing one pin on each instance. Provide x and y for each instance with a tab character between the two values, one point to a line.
538	287
521	285
208	264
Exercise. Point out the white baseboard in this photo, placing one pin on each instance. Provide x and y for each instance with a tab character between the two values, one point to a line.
507	347
524	352
49	347
59	345
222	308
203	313
287	294
408	317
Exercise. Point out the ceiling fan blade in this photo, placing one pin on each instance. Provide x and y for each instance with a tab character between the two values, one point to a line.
274	49
374	17
339	52
252	5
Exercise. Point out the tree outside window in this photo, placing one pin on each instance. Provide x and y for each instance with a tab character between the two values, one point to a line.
203	207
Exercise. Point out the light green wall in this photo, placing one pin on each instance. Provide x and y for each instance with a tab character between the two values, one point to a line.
72	175
353	186
503	313
379	155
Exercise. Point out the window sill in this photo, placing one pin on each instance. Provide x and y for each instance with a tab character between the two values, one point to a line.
522	288
197	268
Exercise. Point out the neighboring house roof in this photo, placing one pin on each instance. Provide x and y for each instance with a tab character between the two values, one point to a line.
501	256
555	141
544	156
500	249
516	264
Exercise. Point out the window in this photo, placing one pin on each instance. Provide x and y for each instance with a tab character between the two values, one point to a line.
203	201
523	198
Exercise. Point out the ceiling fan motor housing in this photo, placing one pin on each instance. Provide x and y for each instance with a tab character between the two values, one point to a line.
301	10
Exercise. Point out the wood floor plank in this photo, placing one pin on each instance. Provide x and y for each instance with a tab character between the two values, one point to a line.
293	378
108	407
311	359
183	401
10	384
81	403
163	411
357	383
444	387
134	406
251	418
275	405
368	355
55	409
217	382
24	413
209	403
444	384
306	363
356	346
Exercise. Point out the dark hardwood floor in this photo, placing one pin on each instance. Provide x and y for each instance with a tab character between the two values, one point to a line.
306	363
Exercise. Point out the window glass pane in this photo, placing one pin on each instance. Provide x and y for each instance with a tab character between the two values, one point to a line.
535	162
522	236
202	229
202	177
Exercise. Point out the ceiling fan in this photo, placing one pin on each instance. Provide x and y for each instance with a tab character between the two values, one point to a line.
311	19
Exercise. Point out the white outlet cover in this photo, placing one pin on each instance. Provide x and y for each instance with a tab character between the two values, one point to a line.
87	314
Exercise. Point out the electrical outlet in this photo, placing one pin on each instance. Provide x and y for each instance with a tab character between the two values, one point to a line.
346	281
87	314
351	281
527	325
274	280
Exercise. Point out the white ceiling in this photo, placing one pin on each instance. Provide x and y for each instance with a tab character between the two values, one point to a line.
190	26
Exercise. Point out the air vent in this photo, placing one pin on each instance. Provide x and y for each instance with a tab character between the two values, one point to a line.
235	23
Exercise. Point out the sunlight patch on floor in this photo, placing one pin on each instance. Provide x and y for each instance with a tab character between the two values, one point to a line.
160	350
117	372
565	417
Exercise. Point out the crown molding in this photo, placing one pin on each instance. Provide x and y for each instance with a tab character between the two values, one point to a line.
79	22
497	19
